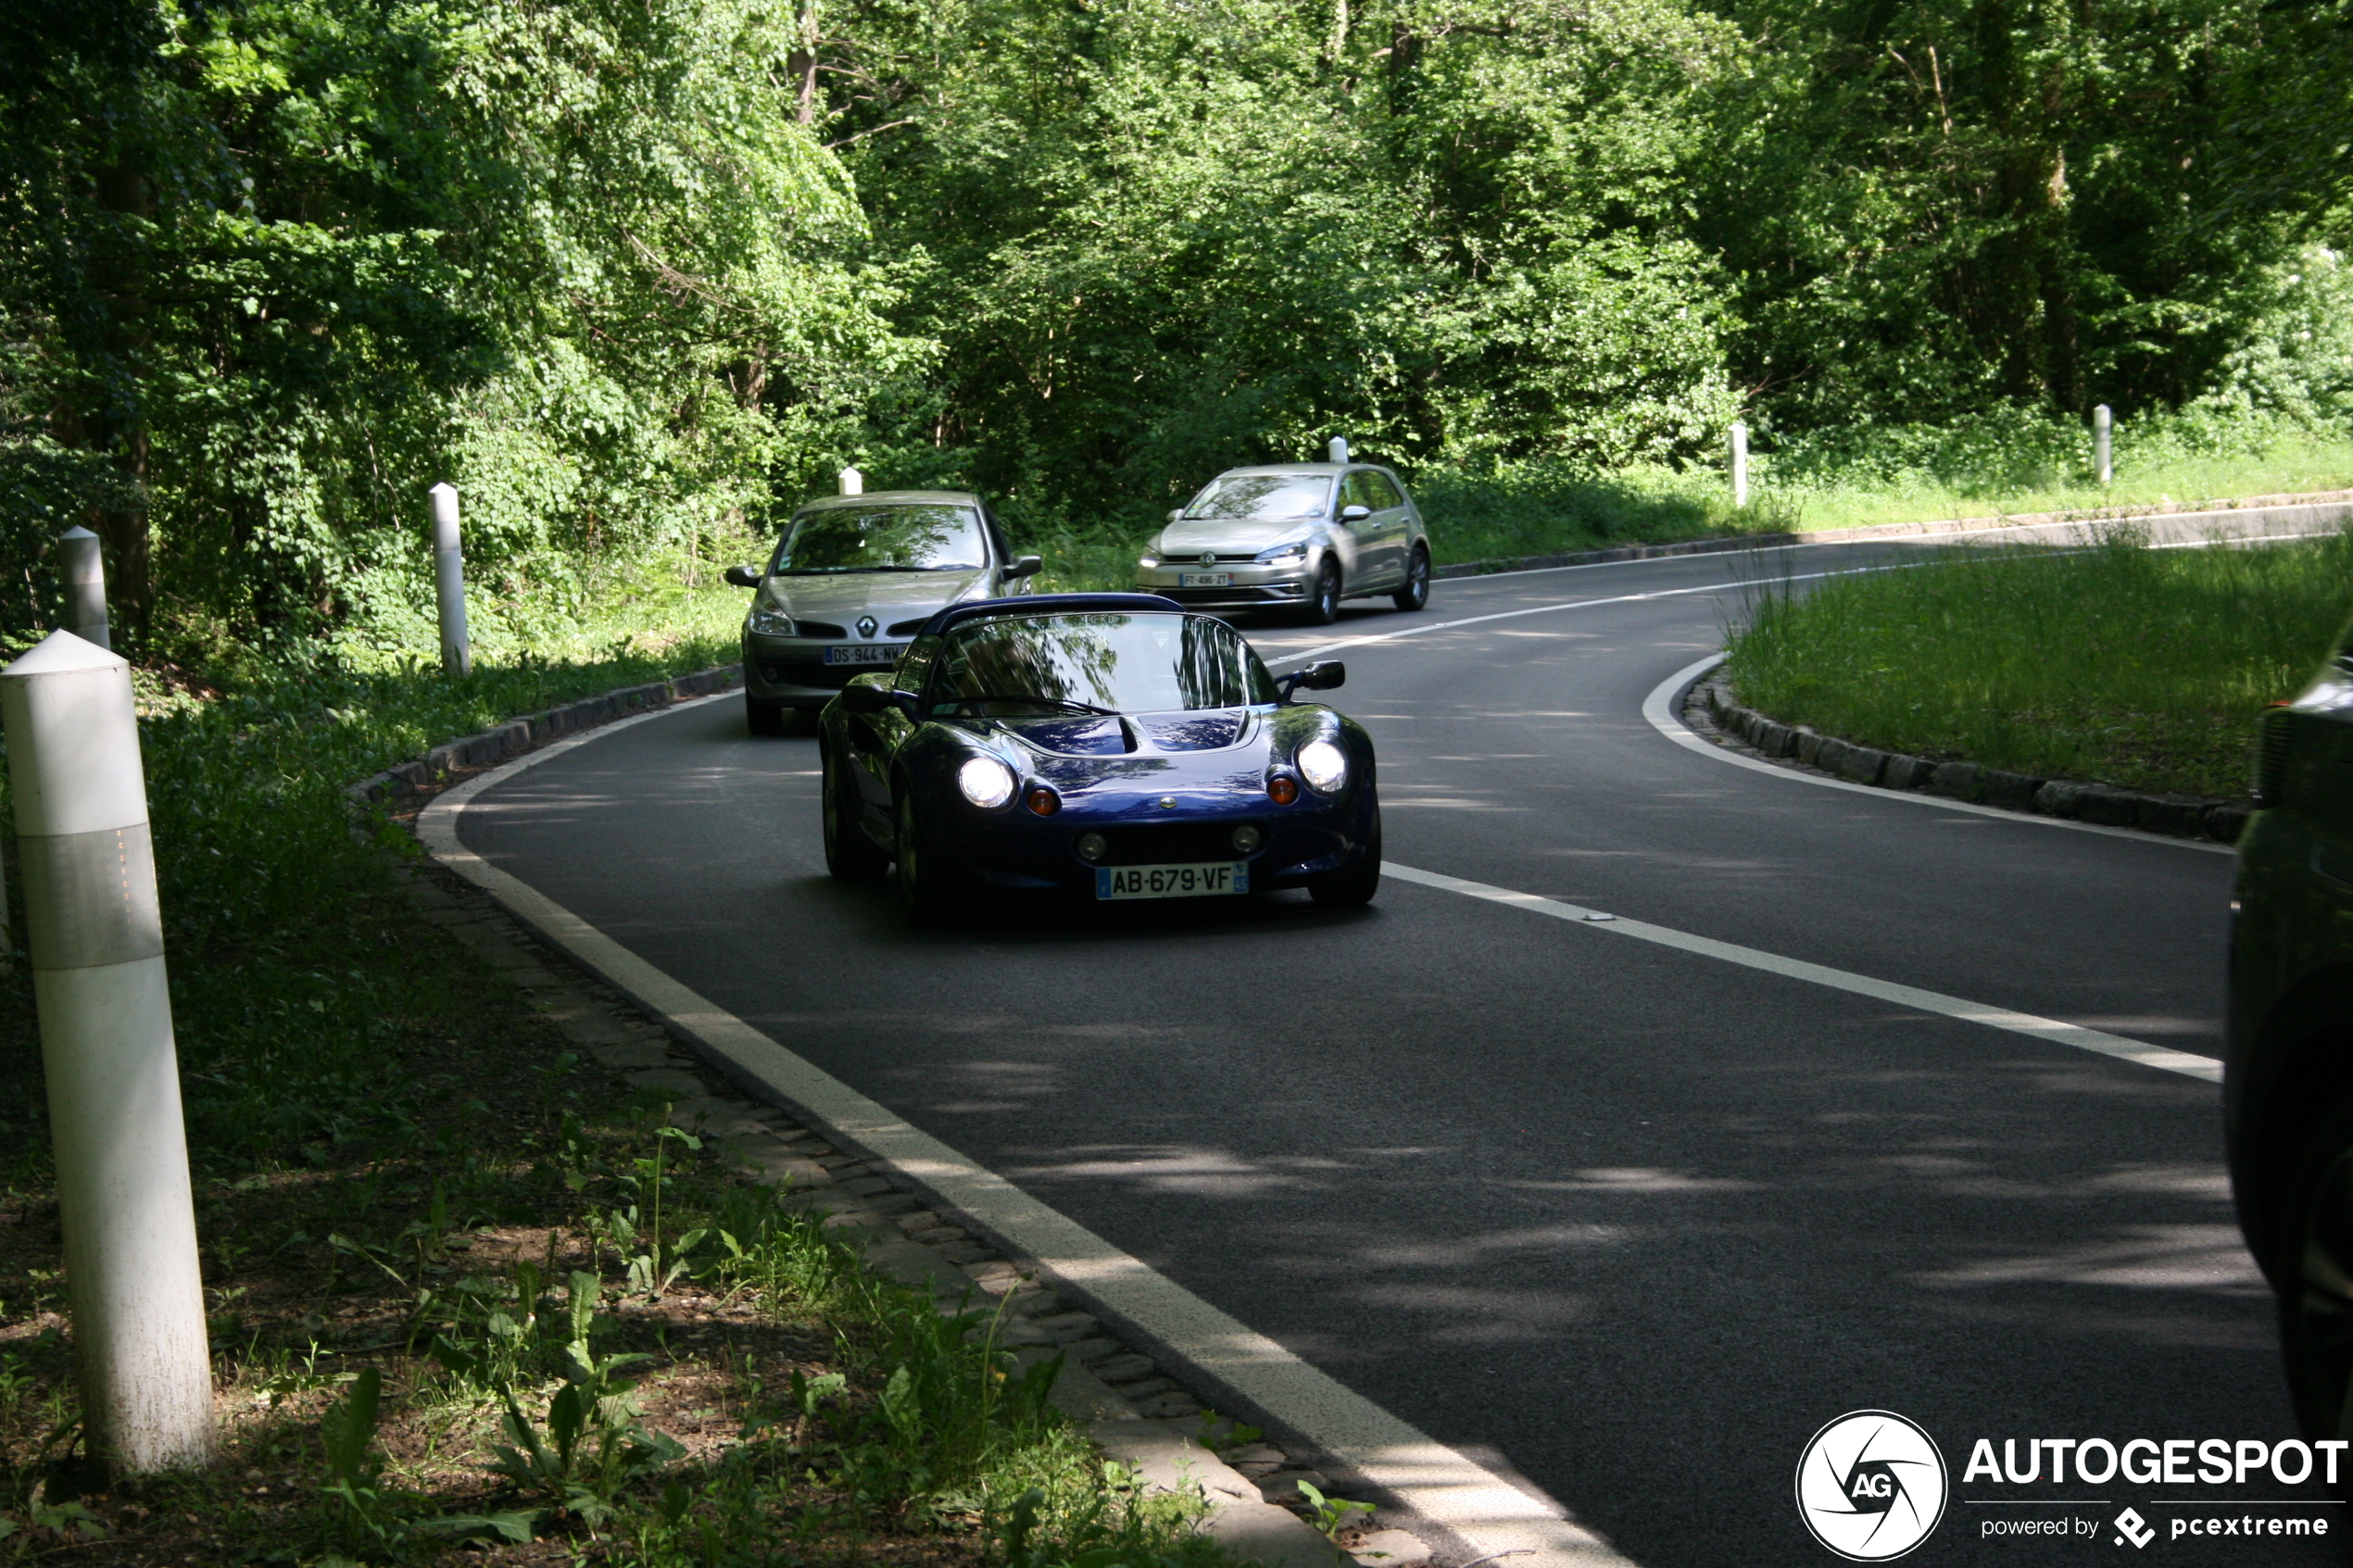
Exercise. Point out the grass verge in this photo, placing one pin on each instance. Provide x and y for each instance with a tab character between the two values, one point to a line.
2007	463
445	1323
2132	666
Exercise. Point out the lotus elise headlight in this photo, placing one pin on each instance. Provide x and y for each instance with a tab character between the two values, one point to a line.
986	782
770	622
1324	766
1284	555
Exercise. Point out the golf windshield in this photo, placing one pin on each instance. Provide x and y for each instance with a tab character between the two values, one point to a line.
1148	663
883	538
1264	497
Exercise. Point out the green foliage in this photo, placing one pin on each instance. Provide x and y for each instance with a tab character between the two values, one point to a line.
2114	661
638	276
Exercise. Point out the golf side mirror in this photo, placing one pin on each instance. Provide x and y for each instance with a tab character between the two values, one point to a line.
1354	514
742	576
1323	675
1026	566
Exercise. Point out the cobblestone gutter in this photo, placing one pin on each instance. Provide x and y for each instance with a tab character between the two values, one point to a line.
1135	1409
2180	816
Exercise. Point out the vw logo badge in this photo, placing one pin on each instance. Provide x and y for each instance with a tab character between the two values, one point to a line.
1209	558
866	624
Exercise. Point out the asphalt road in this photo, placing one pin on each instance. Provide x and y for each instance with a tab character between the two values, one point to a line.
1629	1223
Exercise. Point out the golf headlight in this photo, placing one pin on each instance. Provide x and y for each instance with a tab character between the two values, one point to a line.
772	622
1323	765
1284	555
986	782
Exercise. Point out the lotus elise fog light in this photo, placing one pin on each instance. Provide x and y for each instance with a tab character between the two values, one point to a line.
1282	789
1091	848
1245	840
1323	765
1043	802
986	782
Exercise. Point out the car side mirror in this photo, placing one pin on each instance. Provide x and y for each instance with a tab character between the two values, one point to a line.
743	576
1323	675
876	700
1176	514
1026	566
1354	514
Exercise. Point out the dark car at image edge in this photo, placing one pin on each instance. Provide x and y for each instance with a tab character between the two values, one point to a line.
2288	1074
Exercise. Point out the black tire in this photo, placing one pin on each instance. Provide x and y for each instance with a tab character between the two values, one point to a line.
1323	601
764	718
2316	1273
1415	592
849	854
1354	884
923	891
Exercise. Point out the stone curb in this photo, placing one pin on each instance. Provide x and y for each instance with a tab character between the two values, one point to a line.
1133	1408
424	774
2322	505
1133	1411
2177	816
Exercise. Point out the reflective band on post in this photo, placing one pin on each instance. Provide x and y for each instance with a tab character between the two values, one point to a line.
90	897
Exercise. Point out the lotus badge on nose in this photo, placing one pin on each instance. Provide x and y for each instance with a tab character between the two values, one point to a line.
866	625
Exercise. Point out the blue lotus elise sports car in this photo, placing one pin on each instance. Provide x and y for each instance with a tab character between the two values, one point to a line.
1111	745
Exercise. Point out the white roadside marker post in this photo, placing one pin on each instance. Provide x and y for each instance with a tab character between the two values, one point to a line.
1338	450
1740	465
85	571
852	483
2103	441
449	581
96	930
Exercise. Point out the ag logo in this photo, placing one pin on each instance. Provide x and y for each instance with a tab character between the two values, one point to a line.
1871	1485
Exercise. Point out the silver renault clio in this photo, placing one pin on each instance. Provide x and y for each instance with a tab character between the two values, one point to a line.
851	579
1304	535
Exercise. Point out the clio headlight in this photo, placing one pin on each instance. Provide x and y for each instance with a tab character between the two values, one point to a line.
1323	765
986	782
770	622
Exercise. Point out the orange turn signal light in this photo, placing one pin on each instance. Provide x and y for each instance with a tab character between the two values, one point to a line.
1043	802
1282	789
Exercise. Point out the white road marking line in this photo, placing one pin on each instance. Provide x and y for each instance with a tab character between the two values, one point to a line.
1659	708
2048	1029
1489	1513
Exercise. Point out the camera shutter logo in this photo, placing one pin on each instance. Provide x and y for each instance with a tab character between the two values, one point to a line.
1871	1485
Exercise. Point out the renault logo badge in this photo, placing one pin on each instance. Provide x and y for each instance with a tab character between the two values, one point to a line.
866	624
1209	558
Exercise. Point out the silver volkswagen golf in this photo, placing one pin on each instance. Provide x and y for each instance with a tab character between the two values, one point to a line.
851	579
1305	535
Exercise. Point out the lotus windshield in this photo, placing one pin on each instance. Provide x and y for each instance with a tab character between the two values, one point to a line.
1148	663
1264	497
887	538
